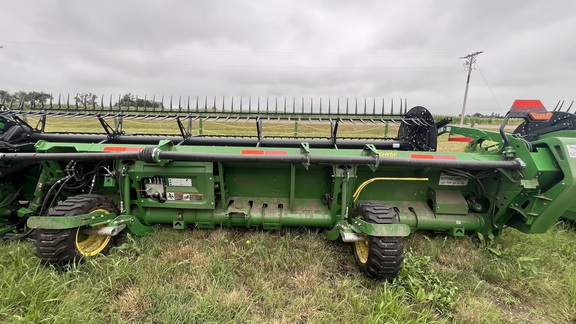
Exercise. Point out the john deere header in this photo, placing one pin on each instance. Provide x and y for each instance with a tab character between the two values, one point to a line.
74	192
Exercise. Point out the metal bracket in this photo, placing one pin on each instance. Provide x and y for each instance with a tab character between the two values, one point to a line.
41	125
65	222
185	132
360	226
370	150
259	131
349	237
105	231
305	150
334	131
345	188
118	125
240	209
92	219
111	133
133	223
24	125
165	145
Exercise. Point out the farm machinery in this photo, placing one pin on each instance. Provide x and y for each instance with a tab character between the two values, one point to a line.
76	191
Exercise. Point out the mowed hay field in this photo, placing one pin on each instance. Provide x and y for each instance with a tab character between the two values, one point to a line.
293	275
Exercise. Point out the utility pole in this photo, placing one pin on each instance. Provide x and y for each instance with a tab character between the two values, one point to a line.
470	60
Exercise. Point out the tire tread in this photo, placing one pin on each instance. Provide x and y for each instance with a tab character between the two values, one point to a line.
58	246
385	254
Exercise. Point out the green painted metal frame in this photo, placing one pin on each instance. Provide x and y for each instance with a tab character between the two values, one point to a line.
92	219
64	222
277	194
360	226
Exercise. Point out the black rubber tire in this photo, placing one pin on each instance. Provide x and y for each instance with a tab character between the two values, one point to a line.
58	247
384	256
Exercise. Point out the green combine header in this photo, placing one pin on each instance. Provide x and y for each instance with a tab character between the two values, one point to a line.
75	192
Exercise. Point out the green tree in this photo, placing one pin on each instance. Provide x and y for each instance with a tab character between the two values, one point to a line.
36	97
88	98
5	96
129	100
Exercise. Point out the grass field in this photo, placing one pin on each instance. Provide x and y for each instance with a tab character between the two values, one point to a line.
295	276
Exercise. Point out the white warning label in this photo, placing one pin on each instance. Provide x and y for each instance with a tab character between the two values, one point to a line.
173	196
195	197
179	182
447	180
571	150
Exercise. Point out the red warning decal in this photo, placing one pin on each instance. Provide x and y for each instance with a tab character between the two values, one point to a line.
262	152
275	152
252	152
460	139
433	157
121	149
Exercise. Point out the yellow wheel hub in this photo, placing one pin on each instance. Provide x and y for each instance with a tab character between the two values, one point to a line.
91	244
362	250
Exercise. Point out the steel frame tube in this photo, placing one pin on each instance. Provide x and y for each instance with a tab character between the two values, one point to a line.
221	141
307	159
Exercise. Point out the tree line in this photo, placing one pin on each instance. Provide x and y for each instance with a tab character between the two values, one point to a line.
39	98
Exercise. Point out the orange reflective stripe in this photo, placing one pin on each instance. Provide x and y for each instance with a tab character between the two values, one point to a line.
540	116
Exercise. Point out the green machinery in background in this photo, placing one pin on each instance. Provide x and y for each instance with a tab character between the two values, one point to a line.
76	191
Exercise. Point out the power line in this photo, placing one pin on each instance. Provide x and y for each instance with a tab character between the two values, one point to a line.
487	85
226	58
470	60
280	64
216	52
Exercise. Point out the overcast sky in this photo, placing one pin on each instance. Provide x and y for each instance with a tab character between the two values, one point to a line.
334	48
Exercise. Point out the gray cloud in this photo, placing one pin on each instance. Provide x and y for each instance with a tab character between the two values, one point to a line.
401	49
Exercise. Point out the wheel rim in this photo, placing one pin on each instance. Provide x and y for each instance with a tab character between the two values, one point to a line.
361	249
91	244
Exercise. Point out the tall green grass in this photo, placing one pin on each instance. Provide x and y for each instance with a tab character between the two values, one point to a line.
238	275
